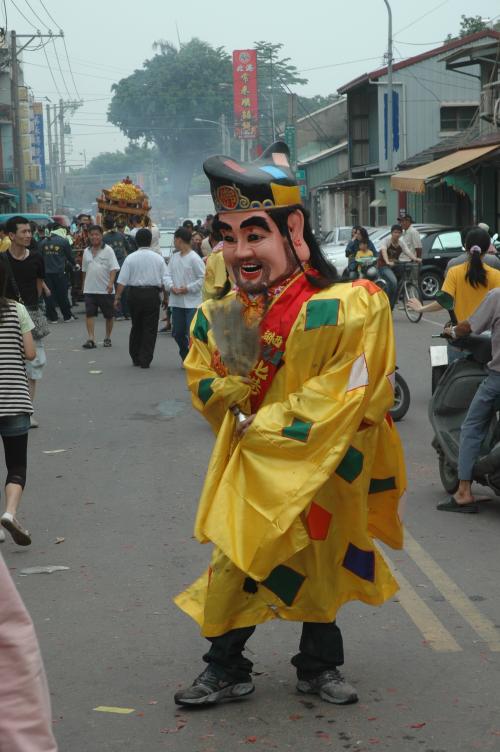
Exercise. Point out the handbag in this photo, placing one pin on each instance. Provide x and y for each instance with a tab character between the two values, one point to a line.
36	312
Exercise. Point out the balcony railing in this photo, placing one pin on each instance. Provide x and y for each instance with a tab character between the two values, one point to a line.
6	177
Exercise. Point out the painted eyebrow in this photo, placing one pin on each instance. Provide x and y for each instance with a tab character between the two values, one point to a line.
255	222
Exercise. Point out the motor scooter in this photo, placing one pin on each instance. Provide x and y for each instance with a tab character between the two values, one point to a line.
453	392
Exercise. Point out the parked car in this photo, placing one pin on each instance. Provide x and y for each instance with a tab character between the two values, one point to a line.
42	220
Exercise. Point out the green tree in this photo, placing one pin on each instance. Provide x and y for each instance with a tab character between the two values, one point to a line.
471	25
158	104
134	158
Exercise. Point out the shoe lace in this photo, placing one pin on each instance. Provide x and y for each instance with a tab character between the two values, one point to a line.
209	678
332	675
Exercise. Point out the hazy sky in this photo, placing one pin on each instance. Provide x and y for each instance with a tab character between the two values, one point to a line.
329	41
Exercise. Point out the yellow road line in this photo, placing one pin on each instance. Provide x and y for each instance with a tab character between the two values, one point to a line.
425	620
455	597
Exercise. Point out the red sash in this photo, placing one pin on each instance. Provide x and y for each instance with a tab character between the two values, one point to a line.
275	328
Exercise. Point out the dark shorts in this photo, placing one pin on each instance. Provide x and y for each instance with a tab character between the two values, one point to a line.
95	302
14	425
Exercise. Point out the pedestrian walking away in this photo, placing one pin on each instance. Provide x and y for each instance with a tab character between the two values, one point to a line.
56	252
99	267
309	469
184	281
26	283
143	274
16	345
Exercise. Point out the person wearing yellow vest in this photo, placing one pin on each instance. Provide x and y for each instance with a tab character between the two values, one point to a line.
4	239
215	273
296	492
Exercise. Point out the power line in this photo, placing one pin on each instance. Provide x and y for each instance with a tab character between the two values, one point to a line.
60	69
22	14
424	15
51	73
51	17
36	14
71	70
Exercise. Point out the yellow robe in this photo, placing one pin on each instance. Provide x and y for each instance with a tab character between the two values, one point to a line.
293	507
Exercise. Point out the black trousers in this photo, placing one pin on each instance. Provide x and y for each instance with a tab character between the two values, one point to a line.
58	286
144	306
321	648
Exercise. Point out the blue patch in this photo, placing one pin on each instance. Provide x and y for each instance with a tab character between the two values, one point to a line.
274	171
359	562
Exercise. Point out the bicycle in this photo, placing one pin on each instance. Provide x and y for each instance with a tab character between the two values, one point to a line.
408	289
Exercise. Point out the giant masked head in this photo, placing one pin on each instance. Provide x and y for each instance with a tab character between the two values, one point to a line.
266	233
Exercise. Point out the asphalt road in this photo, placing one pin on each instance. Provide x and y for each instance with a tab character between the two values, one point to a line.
123	494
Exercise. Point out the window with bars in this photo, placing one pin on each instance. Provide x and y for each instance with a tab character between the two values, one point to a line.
457	117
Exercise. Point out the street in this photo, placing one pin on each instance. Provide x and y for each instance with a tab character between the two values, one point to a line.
115	469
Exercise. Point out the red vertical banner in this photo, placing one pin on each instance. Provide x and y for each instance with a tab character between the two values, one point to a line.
246	106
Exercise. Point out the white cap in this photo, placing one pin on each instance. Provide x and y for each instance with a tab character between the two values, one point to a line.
483	226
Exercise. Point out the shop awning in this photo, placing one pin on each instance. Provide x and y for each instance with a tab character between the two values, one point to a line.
414	181
378	202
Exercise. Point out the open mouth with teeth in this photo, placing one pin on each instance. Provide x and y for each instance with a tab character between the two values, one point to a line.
250	272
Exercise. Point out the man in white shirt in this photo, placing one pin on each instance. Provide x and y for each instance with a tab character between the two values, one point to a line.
184	280
143	273
411	237
99	267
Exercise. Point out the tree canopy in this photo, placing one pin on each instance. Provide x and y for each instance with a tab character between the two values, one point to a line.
471	25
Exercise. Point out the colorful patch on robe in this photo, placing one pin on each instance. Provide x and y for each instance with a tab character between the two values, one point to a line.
318	522
359	374
201	327
322	313
351	466
205	390
285	583
359	562
217	364
379	485
368	285
299	430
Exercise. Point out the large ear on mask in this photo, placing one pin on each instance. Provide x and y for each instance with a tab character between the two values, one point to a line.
295	223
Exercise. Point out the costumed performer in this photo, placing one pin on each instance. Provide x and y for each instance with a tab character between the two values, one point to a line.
293	496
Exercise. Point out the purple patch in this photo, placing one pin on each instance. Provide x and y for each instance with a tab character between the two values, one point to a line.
359	562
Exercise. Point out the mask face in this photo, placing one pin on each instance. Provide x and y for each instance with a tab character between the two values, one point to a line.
255	252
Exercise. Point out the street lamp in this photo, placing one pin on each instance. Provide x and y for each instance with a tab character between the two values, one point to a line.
389	91
224	131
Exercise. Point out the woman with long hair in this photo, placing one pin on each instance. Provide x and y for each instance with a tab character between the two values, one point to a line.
16	346
468	283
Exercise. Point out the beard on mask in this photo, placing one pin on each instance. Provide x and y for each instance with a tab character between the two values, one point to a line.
261	286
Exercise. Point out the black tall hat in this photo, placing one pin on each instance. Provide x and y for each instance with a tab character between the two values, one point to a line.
266	183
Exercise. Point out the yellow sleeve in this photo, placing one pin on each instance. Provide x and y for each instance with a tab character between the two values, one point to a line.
220	273
294	446
211	394
450	282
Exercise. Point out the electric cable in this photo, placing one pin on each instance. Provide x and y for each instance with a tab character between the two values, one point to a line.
51	17
71	70
60	69
51	73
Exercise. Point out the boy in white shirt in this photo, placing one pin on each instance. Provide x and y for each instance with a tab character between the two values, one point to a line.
99	267
184	281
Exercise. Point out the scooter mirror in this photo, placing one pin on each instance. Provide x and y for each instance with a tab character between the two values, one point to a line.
445	300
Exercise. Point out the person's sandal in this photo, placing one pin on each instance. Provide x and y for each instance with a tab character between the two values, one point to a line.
89	345
106	342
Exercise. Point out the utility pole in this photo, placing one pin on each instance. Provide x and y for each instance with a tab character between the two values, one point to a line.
390	137
16	124
51	159
54	157
62	153
17	141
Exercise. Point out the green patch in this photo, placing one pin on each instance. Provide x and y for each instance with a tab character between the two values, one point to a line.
322	313
379	485
299	430
205	390
285	583
201	327
351	466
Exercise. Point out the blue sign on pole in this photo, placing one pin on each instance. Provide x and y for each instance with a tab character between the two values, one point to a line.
38	144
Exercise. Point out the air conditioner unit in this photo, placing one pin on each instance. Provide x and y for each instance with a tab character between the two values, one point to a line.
489	96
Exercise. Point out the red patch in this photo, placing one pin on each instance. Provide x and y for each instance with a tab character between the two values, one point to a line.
318	522
389	420
367	284
209	575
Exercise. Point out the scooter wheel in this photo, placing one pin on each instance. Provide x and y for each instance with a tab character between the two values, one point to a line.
448	475
401	399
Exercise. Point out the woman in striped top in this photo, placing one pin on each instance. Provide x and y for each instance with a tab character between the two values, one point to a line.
16	346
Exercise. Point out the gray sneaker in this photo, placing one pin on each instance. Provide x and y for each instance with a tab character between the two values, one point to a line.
330	686
209	688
